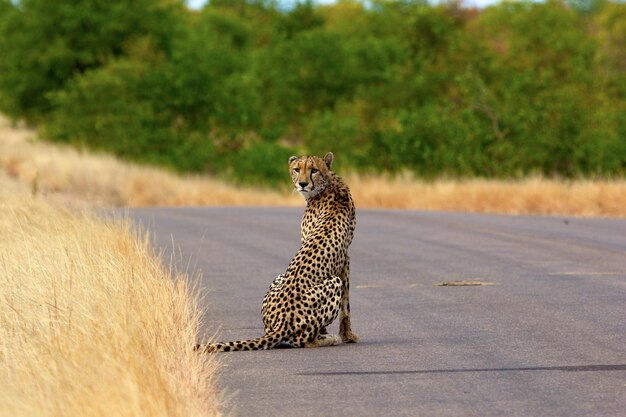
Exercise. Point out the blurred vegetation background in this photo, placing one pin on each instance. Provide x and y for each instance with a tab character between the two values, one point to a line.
233	89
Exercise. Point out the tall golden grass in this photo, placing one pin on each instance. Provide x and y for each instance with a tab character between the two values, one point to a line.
91	324
534	195
82	178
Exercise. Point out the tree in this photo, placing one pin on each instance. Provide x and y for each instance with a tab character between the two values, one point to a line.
44	43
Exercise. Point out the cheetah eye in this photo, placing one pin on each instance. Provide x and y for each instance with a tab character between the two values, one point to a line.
313	171
296	170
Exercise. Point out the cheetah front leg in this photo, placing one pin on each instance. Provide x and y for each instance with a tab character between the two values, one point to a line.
345	330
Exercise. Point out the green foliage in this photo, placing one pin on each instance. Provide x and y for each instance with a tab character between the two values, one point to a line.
44	44
258	163
115	109
515	89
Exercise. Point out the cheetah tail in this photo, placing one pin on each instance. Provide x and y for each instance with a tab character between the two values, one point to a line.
268	341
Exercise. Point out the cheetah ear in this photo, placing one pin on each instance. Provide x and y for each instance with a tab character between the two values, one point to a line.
292	158
328	159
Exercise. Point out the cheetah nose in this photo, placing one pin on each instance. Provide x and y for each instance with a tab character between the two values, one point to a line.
303	184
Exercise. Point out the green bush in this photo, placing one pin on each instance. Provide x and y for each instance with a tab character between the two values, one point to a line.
258	163
515	89
183	110
341	132
112	109
44	44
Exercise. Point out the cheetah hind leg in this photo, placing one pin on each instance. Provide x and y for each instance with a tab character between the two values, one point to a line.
324	340
331	290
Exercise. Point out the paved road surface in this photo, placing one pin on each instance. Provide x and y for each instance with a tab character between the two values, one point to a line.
548	339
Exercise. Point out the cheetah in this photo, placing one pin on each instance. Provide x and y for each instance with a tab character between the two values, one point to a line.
314	289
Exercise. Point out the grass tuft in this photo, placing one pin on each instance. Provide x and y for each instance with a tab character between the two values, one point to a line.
91	324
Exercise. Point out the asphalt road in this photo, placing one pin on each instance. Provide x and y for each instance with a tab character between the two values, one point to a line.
547	339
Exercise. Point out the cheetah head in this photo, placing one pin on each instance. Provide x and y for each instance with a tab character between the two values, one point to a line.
310	174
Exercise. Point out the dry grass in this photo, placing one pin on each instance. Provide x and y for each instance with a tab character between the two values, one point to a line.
79	178
91	324
533	195
101	180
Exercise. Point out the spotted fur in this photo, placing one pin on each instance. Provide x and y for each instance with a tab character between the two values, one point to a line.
314	290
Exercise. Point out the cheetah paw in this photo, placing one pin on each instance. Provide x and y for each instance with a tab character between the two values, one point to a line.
349	337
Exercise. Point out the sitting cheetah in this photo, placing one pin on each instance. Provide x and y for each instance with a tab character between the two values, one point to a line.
314	290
